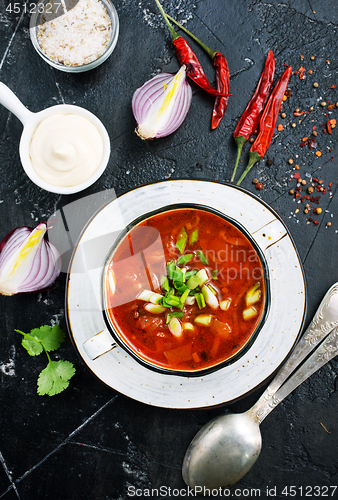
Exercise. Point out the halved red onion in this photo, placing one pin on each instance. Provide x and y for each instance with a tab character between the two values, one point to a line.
161	105
28	261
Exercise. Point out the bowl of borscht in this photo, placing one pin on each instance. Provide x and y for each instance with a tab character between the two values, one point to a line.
185	290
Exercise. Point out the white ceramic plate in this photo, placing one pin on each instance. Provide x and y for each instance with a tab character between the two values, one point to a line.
118	369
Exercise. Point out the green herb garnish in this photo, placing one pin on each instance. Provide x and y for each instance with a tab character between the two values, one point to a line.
202	258
184	259
193	237
55	377
182	240
175	314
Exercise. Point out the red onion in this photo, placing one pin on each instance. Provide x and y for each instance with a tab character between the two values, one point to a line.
28	261
161	105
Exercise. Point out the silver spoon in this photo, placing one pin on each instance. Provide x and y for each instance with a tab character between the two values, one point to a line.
226	448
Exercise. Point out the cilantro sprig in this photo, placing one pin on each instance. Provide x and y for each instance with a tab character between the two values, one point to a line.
55	377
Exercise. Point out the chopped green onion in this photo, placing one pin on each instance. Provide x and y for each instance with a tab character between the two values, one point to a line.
188	274
202	258
225	304
253	295
178	275
184	295
249	313
209	297
200	300
193	237
202	275
171	301
170	269
182	289
190	300
154	308
156	298
182	240
193	282
212	289
175	327
188	326
145	295
214	274
165	284
203	319
175	314
184	259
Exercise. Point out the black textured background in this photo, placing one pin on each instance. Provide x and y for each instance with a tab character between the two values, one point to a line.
90	442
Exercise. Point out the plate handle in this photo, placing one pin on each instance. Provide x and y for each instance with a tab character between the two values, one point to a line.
99	344
269	234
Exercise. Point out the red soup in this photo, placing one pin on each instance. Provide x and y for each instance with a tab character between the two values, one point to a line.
185	290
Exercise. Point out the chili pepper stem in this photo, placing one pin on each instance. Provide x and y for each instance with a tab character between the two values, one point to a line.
240	141
209	51
165	17
253	158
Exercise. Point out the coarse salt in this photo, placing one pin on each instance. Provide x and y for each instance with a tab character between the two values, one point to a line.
77	37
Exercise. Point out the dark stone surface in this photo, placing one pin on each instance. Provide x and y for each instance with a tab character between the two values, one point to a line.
90	442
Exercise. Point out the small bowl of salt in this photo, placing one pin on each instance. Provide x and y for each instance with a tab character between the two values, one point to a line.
74	35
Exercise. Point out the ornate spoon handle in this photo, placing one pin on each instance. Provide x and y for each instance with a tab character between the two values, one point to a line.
324	321
322	354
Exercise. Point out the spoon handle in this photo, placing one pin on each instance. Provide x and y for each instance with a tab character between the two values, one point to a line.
324	321
327	350
13	104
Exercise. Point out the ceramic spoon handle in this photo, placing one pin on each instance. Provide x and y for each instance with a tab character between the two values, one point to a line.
13	104
324	321
322	354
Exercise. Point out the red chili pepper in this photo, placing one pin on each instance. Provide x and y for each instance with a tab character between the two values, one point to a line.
249	120
187	57
222	77
267	122
223	85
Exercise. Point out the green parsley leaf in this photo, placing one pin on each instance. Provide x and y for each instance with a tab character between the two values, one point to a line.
31	344
51	338
55	377
43	338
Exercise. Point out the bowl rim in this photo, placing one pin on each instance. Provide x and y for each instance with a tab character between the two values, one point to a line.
209	369
112	12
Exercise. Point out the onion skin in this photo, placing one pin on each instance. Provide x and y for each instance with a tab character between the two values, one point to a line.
148	99
28	261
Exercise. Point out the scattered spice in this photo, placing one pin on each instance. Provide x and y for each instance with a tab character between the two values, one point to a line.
323	104
77	37
290	161
259	186
316	85
318	153
280	127
255	181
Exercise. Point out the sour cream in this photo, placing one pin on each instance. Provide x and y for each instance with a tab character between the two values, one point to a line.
66	149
